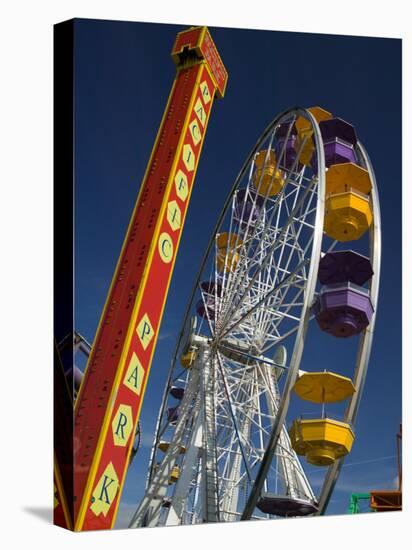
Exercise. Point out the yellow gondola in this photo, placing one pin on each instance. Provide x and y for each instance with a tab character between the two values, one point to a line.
164	446
174	475
342	177
267	179
228	240
321	441
227	261
347	215
304	126
228	245
187	359
261	157
305	130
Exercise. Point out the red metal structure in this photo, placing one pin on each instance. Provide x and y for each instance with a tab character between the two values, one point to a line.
390	501
111	395
63	447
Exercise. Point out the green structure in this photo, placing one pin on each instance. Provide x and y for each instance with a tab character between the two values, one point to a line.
356	500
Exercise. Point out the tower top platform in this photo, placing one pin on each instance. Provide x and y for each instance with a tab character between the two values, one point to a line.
198	41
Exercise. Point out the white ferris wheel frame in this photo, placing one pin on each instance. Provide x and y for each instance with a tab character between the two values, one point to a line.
300	330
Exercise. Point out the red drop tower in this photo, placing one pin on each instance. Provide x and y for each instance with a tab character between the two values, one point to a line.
111	395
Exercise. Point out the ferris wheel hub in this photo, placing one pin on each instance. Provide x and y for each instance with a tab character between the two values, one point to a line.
247	356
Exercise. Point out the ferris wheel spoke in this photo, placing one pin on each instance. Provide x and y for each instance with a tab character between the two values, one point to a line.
282	338
280	305
302	255
230	406
246	419
282	196
279	201
242	273
297	248
285	281
267	257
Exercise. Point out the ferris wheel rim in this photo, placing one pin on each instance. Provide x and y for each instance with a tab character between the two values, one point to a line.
365	345
293	369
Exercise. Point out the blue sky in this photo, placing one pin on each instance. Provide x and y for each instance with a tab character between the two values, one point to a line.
123	77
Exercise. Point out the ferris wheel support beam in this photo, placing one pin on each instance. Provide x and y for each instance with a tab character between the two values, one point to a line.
230	501
365	344
300	337
149	510
232	414
209	462
175	514
297	487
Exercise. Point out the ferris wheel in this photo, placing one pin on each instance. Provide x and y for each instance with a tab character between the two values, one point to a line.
296	247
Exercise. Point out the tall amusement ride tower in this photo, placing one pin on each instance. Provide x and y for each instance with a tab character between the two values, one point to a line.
111	394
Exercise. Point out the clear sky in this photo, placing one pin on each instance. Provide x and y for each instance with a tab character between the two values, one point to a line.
123	75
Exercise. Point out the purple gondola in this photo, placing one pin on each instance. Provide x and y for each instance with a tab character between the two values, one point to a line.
285	506
210	287
207	309
338	151
344	266
339	140
172	415
343	310
287	153
166	502
283	131
177	392
338	128
247	207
